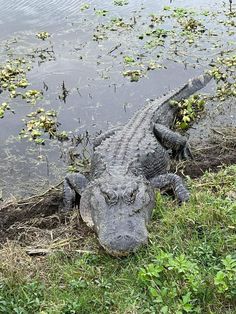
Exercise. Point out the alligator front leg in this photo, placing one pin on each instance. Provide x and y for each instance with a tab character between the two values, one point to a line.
74	183
173	181
172	140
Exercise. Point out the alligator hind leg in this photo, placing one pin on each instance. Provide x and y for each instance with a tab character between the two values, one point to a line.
172	140
173	181
74	184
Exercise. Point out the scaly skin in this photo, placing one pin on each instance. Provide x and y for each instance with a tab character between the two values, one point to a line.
127	165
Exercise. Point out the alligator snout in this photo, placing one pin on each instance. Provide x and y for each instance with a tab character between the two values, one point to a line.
124	243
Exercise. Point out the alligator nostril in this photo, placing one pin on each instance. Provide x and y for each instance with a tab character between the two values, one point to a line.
123	243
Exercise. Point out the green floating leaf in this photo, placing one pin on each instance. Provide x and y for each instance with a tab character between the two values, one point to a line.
42	122
128	59
4	107
43	35
101	12
167	8
121	2
84	7
134	75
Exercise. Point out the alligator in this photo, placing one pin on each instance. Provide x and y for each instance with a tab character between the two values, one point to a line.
128	164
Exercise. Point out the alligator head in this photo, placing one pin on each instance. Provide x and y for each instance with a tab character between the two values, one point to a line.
120	208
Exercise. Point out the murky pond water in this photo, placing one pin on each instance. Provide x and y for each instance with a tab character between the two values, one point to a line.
91	46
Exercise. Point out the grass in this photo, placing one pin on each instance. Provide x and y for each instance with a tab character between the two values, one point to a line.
189	265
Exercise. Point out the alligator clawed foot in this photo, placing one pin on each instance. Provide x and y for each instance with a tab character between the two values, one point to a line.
184	153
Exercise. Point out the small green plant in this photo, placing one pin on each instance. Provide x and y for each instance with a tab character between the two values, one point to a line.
223	71
3	108
226	90
225	279
191	25
173	283
155	37
157	18
229	62
152	65
121	2
99	35
72	307
117	23
101	12
182	12
32	95
30	297
167	8
43	54
189	110
84	7
13	75
128	60
134	75
39	123
43	35
218	74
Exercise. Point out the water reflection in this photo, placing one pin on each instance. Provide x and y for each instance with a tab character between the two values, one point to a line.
81	75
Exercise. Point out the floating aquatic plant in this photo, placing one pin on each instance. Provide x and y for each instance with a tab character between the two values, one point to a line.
3	108
39	123
43	35
189	110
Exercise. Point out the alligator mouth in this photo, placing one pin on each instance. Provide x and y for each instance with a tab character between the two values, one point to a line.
123	245
118	253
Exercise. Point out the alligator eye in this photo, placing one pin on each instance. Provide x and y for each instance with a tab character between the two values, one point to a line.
129	196
110	197
132	196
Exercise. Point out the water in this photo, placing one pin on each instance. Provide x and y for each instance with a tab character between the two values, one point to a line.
99	95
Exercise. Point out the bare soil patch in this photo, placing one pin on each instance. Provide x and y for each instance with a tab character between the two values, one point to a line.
38	225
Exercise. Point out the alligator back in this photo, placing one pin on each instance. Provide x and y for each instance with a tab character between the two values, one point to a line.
134	147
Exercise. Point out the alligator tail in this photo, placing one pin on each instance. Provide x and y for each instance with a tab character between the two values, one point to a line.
192	86
166	113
